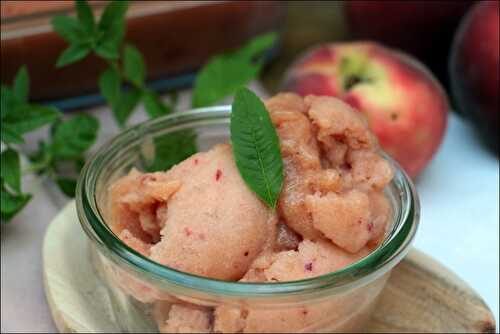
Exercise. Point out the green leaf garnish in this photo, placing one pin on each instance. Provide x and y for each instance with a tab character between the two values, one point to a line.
112	28
9	136
110	84
29	117
133	65
224	74
11	204
11	169
85	16
69	28
122	103
108	50
72	54
153	104
19	117
124	108
256	47
66	185
6	101
21	84
73	137
172	148
256	147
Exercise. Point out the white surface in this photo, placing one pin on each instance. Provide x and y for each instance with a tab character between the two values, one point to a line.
459	227
460	216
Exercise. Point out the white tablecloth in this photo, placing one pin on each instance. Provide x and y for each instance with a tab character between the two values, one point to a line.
459	227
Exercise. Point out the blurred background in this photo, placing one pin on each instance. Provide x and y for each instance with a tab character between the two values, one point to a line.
425	73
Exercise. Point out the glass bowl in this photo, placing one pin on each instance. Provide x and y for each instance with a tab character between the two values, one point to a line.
142	291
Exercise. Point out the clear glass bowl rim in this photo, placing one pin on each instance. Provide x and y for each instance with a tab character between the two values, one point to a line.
378	262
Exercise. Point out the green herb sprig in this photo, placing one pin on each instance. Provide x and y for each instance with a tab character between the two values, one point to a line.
125	63
69	140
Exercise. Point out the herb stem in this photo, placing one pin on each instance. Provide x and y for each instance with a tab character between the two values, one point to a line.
38	167
115	66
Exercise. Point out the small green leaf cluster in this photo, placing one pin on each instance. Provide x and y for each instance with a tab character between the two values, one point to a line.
126	63
69	140
85	35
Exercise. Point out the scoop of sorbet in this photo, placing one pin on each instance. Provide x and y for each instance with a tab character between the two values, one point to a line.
209	224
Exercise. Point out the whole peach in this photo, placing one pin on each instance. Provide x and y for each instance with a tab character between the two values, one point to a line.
405	105
475	70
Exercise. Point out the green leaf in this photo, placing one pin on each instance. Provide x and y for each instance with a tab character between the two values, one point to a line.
109	84
133	65
221	78
21	84
78	163
8	101
73	137
9	136
256	147
257	46
108	49
66	185
72	54
172	148
224	74
85	16
113	13
29	117
11	204
11	169
154	105
126	105
69	29
112	28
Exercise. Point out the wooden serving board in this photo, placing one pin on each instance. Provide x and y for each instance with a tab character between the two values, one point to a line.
420	296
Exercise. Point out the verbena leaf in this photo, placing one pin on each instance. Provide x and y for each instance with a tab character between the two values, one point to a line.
11	169
73	137
154	105
9	136
224	74
11	204
172	148
133	65
85	16
126	105
21	84
8	101
257	46
112	27
78	163
113	13
29	117
109	84
72	54
256	147
108	49
66	185
221	78
69	29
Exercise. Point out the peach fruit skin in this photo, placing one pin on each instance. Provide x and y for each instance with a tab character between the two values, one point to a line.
409	122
